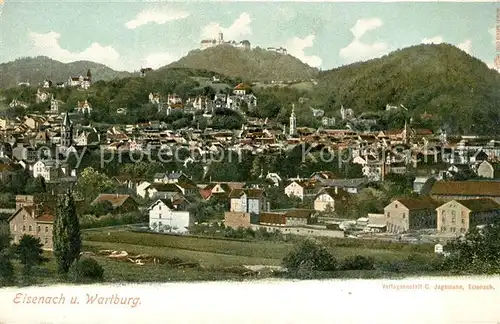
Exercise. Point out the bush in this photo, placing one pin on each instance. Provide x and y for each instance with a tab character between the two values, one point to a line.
85	270
417	263
7	275
90	221
358	262
310	256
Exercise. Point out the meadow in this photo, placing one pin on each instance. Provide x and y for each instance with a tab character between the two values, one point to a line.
184	258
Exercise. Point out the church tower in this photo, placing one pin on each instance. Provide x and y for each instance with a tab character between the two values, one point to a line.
405	133
293	122
66	132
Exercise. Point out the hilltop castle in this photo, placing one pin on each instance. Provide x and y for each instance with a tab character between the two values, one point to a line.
206	43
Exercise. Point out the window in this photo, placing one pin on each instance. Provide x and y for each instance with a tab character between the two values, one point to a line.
46	240
463	221
388	215
453	219
443	229
452	229
15	227
24	228
404	215
443	219
396	206
46	229
462	230
29	228
443	213
38	229
24	217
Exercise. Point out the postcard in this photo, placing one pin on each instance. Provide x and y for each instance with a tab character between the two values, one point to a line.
249	162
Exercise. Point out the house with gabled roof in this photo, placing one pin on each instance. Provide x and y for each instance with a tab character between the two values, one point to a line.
293	217
248	200
408	214
35	220
120	203
302	189
219	190
353	186
329	197
488	170
170	215
456	217
160	190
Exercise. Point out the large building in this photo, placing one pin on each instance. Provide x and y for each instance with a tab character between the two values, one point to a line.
461	190
407	214
33	216
207	43
458	216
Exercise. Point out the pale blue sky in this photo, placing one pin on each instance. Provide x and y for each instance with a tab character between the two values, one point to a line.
320	34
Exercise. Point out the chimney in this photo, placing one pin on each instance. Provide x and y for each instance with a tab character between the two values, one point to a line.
268	206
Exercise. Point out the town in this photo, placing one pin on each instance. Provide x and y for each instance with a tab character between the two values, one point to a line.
163	166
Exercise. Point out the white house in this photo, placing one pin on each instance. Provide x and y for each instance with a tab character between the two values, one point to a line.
49	170
300	189
164	217
141	189
329	197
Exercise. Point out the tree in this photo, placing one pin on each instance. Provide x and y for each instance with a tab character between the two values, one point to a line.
91	182
358	262
310	256
35	185
6	267
84	270
67	239
477	251
102	208
30	253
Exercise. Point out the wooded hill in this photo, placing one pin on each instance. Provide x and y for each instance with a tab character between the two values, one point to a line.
253	65
460	91
36	69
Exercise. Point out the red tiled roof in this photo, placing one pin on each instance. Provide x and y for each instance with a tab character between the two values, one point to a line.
49	218
242	86
251	193
466	188
115	199
419	203
478	205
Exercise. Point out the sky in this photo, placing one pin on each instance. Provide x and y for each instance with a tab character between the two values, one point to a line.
128	35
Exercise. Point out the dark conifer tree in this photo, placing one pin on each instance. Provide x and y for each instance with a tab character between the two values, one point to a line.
67	238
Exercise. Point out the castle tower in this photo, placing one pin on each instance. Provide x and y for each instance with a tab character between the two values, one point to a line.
293	122
66	132
220	38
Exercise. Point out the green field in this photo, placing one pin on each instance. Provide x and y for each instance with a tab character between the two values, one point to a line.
219	251
202	259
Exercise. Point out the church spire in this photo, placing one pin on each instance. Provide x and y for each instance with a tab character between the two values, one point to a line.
293	122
